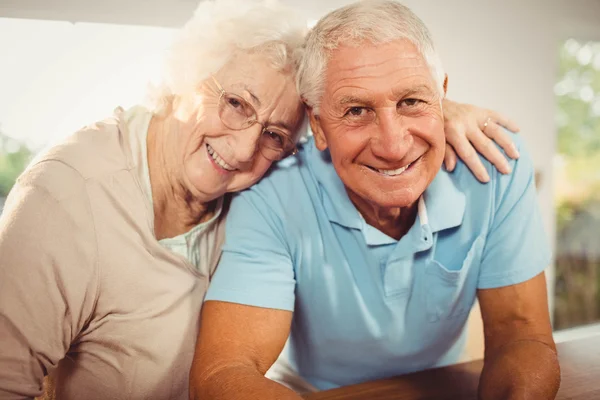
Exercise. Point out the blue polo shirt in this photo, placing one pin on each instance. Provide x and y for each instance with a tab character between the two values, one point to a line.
367	306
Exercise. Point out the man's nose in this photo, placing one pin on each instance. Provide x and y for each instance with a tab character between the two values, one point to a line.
392	140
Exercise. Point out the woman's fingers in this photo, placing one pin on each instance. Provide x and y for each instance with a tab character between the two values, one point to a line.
489	150
504	121
449	158
495	132
465	150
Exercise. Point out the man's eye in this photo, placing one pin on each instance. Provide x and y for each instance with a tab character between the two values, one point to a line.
356	111
410	102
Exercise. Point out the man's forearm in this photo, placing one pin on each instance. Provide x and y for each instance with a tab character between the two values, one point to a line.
524	369
239	382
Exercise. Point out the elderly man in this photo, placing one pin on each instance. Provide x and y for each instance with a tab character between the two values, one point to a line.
363	250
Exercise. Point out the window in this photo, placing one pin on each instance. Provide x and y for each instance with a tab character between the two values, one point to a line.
577	192
57	77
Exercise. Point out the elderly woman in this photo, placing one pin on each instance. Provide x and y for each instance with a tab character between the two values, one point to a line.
108	240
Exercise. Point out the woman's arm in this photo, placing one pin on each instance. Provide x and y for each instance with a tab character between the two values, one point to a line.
47	275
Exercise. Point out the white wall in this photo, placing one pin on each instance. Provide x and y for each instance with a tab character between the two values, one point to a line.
165	13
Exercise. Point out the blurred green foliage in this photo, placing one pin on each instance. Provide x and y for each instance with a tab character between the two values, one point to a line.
577	92
14	157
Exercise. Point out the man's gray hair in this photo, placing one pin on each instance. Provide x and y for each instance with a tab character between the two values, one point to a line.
219	29
374	21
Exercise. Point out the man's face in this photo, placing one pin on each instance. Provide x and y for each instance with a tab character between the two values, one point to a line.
381	118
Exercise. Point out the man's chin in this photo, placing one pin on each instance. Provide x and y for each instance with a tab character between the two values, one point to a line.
401	195
398	202
381	199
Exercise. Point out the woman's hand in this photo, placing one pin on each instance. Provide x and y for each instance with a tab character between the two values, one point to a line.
470	129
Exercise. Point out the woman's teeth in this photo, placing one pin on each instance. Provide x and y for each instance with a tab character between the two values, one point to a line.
393	172
218	159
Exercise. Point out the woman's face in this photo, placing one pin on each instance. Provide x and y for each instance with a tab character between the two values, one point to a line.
217	159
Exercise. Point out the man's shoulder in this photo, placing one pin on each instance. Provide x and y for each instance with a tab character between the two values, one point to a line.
285	197
521	172
482	201
286	181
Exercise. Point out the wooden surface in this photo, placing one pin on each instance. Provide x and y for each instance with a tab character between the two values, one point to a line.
579	362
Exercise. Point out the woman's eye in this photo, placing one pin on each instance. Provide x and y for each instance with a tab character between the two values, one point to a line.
239	106
234	102
274	137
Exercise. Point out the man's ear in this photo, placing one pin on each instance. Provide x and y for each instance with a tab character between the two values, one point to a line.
317	129
445	85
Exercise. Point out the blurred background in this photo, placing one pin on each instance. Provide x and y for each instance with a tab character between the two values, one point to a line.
67	63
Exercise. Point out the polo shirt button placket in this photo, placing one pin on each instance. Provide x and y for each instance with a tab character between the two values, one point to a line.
426	238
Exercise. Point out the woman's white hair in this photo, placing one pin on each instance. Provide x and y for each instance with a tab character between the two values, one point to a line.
375	21
216	32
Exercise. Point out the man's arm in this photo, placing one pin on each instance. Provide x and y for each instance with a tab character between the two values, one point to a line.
236	346
247	314
520	354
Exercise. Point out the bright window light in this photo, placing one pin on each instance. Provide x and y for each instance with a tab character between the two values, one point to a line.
56	77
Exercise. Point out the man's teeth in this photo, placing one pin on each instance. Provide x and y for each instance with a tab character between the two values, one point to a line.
393	172
218	159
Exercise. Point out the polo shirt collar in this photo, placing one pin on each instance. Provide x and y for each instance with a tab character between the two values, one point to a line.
445	203
332	191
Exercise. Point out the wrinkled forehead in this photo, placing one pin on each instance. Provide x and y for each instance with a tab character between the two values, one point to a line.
271	91
381	66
